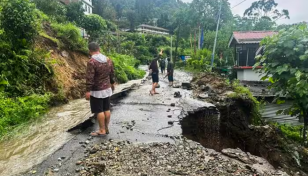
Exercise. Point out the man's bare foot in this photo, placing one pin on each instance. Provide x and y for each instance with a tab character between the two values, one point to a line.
97	134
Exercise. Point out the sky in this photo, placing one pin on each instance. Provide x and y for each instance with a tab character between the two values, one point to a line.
298	9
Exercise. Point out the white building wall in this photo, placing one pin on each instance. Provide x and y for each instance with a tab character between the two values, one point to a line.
88	6
248	75
240	74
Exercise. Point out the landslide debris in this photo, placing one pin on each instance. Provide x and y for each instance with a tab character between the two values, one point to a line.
236	127
182	158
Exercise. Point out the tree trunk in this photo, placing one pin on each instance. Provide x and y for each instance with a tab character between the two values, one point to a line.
177	44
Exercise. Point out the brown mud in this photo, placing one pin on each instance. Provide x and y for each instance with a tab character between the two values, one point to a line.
69	66
232	128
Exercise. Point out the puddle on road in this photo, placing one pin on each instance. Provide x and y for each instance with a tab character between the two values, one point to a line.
41	139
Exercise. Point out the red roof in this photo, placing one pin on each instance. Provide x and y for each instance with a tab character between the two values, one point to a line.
245	37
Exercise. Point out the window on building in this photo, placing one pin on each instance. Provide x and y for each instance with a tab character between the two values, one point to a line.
89	9
85	7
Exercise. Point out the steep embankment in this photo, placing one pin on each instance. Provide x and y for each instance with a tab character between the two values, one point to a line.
69	66
239	125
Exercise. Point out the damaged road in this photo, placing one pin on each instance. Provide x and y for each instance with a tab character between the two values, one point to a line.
146	139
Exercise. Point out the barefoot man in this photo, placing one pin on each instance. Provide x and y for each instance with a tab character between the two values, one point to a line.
155	73
100	85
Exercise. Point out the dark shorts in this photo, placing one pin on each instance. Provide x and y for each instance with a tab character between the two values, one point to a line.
155	78
99	105
162	69
170	78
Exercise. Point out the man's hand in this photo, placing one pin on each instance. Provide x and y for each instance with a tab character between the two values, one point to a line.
113	87
161	52
88	94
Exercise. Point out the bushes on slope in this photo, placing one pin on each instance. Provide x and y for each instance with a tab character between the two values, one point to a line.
70	35
125	68
15	111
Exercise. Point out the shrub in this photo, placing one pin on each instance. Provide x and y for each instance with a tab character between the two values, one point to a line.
291	132
124	66
94	25
25	70
54	9
15	111
70	35
75	13
244	93
111	26
18	20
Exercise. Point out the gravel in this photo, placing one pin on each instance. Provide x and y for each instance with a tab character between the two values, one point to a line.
182	158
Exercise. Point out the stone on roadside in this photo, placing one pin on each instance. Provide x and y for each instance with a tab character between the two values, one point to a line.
55	170
203	96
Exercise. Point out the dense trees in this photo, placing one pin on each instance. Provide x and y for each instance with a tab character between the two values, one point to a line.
264	13
285	63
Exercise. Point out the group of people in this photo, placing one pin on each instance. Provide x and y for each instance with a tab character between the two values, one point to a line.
154	71
100	81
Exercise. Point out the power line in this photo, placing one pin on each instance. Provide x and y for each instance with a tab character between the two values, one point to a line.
238	4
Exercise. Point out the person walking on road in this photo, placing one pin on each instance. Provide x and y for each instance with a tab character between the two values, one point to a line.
153	68
170	72
99	87
162	65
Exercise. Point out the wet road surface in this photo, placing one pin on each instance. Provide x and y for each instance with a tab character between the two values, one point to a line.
138	117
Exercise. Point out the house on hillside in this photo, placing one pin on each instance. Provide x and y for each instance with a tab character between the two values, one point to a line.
88	8
147	29
87	5
245	45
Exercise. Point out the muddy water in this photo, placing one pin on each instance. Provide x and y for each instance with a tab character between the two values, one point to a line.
41	139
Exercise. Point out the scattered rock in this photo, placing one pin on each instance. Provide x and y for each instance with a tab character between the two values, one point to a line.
169	116
87	142
203	96
164	159
55	170
177	95
172	104
64	54
170	122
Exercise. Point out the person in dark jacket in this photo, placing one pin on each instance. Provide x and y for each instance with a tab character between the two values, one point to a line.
170	72
162	65
99	87
155	73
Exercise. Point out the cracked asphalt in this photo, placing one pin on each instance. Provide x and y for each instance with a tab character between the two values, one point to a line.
138	118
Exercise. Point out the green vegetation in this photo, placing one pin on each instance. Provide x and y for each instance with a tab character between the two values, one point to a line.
28	86
16	111
291	132
285	64
69	34
245	94
125	68
94	25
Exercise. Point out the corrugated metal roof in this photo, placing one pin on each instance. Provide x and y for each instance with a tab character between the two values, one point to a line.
269	114
250	37
153	27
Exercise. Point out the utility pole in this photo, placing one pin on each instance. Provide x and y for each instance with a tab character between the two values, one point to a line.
171	50
215	42
199	35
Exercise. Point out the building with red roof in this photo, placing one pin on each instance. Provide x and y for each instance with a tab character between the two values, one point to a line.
246	44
